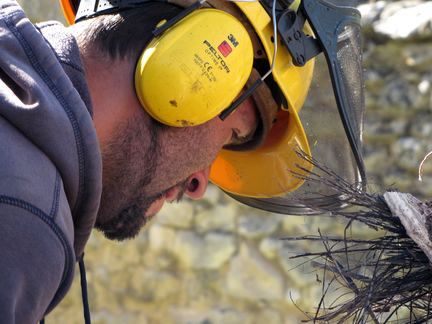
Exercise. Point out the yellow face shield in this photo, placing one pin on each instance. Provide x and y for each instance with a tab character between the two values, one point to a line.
336	142
267	171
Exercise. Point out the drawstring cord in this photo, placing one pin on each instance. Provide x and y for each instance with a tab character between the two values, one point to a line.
86	308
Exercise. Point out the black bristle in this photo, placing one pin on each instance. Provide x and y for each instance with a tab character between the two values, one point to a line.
384	275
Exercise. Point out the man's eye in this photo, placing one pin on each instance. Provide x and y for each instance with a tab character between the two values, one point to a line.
236	139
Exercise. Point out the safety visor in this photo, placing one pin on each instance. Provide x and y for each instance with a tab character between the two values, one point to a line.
280	185
338	31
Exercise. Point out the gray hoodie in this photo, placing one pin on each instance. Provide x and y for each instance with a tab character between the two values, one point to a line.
50	164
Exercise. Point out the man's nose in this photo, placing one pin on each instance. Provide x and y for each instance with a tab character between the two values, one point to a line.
197	184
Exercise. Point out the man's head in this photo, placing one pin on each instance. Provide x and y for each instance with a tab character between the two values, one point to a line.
144	162
284	46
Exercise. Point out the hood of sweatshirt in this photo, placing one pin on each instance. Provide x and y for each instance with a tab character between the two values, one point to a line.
44	94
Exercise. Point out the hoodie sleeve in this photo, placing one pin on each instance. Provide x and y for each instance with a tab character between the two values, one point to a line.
32	259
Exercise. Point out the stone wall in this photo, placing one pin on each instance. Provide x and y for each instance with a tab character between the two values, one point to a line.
398	126
216	261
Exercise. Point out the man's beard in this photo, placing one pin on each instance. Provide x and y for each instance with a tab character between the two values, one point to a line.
128	222
128	168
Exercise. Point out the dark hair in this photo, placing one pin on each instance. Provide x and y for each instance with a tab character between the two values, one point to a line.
125	34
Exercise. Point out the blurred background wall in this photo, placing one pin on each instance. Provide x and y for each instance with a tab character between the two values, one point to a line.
216	261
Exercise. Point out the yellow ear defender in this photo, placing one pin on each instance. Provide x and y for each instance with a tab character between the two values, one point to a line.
192	71
195	69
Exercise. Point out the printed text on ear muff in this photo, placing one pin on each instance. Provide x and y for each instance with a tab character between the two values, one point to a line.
215	57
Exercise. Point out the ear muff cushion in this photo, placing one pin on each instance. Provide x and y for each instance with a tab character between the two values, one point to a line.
192	72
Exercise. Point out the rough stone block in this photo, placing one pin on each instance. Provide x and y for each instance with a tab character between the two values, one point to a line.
255	226
213	194
269	247
252	277
161	237
208	251
269	316
153	286
219	218
178	215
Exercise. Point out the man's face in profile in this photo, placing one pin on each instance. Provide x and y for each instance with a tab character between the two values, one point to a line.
146	165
